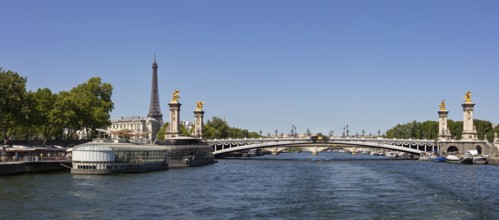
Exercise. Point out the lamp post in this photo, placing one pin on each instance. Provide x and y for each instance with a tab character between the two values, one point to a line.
348	131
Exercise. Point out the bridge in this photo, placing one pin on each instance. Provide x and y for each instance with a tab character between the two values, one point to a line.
224	146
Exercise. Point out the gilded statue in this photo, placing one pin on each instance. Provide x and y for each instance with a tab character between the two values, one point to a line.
467	97
199	105
442	106
176	95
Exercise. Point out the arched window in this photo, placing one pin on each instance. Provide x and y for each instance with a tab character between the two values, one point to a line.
452	149
478	149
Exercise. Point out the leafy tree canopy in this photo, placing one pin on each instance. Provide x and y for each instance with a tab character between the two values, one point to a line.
429	130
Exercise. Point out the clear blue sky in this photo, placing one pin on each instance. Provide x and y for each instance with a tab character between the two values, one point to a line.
267	64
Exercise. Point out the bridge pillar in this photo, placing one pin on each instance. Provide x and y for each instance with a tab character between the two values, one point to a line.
275	151
198	122
173	128
443	130
469	130
315	151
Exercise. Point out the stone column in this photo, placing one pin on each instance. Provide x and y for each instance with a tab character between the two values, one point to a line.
443	130
198	123
275	151
173	128
469	130
315	151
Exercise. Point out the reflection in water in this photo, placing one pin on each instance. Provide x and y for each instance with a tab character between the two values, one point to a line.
288	186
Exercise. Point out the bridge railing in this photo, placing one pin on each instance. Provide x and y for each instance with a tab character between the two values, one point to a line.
331	139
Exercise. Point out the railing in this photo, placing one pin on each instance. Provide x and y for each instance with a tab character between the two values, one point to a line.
34	158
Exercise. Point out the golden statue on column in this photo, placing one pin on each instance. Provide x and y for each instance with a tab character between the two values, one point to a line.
442	106
199	105
467	97
176	96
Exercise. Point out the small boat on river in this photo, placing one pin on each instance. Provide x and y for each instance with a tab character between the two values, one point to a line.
466	159
452	158
479	160
437	158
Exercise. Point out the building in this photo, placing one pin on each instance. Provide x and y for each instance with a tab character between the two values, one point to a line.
141	128
134	128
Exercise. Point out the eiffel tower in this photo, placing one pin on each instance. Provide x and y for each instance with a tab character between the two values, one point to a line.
154	109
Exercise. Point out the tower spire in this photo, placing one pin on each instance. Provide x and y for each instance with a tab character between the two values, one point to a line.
154	108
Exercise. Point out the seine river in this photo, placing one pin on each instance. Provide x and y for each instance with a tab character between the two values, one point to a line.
288	186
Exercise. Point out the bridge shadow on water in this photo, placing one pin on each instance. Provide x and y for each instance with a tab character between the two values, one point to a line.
307	156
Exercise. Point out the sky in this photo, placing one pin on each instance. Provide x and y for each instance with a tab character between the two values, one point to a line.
266	64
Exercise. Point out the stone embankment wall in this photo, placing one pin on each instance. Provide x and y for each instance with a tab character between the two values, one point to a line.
63	143
12	168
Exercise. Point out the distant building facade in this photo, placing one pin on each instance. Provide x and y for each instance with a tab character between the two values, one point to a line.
136	128
141	128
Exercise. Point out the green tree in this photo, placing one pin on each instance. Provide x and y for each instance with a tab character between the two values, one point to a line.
85	107
65	116
162	132
93	101
12	95
218	128
429	130
484	129
455	128
44	101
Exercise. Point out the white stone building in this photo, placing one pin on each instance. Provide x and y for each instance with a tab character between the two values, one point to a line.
134	128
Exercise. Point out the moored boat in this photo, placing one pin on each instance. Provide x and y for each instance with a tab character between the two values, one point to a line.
451	158
479	160
465	159
110	157
437	159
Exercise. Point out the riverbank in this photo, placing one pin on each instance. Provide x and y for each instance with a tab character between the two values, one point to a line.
21	167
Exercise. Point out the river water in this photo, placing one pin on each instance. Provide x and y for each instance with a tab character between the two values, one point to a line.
288	186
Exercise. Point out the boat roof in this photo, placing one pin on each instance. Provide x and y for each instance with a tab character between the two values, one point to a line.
96	146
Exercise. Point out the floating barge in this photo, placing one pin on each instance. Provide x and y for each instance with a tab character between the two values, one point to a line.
110	157
113	156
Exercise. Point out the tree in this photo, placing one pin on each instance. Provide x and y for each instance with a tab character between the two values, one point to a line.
12	95
93	100
44	101
429	130
218	128
65	116
162	132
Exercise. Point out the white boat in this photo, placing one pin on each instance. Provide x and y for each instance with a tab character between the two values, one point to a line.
479	160
391	154
424	157
465	159
452	158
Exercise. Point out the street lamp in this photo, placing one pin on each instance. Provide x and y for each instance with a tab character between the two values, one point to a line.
348	131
